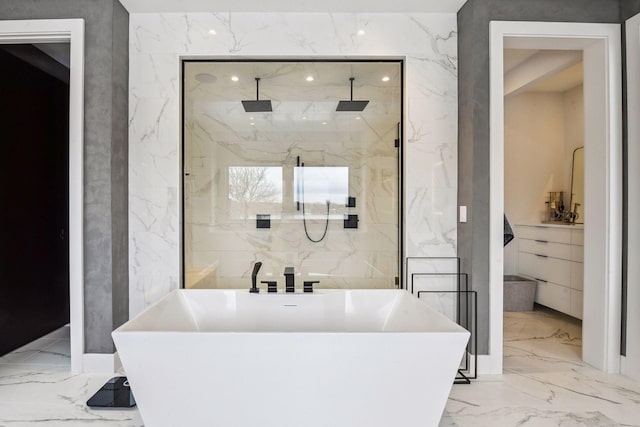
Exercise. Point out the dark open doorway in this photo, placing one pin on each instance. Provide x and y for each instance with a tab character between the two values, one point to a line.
34	189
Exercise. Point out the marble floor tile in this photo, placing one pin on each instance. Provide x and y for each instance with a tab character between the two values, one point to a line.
51	396
57	353
545	382
37	388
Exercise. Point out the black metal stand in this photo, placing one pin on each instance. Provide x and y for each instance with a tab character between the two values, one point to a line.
466	313
469	321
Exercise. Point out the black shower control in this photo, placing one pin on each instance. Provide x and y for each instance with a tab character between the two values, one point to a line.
263	221
351	221
351	202
308	285
272	285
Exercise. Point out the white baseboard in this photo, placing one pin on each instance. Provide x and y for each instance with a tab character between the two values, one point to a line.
629	369
488	366
97	363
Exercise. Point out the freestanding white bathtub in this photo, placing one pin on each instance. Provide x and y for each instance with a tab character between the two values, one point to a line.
343	358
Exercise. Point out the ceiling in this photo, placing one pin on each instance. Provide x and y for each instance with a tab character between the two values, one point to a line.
287	81
337	6
212	98
514	57
561	81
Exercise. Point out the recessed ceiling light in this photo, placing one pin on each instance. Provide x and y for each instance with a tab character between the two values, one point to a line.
386	79
357	117
309	78
304	117
251	118
324	123
212	32
234	78
206	78
361	32
253	124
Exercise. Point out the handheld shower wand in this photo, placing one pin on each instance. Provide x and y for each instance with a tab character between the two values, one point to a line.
254	286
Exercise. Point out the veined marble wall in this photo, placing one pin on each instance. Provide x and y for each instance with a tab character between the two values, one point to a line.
428	44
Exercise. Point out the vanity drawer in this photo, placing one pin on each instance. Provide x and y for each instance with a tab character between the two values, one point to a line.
546	268
577	253
577	275
576	304
577	237
548	234
543	247
554	296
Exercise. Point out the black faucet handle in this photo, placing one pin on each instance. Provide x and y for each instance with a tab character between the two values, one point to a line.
289	282
272	285
308	285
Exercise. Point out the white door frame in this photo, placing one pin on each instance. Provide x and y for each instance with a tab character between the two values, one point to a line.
631	363
601	48
71	31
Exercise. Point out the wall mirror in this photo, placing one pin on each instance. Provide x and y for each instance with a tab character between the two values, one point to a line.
577	184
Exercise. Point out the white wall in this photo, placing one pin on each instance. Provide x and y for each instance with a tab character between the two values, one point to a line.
631	363
541	131
427	41
573	129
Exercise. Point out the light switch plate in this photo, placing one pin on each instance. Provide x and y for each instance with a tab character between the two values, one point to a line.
463	214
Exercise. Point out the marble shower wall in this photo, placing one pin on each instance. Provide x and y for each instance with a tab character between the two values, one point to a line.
427	43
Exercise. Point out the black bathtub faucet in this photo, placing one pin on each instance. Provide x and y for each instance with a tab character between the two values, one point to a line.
289	279
254	284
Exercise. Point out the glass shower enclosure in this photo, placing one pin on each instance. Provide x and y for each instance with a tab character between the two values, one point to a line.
290	181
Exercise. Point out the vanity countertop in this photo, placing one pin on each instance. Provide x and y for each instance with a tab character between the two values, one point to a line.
552	225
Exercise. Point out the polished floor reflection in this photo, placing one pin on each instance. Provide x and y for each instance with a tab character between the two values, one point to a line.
37	388
545	382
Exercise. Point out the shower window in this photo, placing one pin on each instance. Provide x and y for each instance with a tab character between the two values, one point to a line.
254	190
317	186
310	154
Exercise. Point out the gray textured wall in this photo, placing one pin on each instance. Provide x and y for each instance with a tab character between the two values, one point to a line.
629	8
473	115
120	165
105	156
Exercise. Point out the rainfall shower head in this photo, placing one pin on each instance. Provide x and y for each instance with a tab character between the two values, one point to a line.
257	105
352	105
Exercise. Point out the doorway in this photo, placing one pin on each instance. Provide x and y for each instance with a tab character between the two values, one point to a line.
34	180
600	46
65	31
544	201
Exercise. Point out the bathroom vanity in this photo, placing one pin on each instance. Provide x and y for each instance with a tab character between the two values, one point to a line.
553	254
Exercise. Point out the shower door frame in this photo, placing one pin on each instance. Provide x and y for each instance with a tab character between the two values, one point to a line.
401	161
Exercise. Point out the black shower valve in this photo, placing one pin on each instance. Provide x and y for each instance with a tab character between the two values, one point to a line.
351	221
351	202
263	221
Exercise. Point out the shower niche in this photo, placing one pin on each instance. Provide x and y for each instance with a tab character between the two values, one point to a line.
326	140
